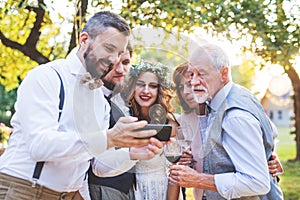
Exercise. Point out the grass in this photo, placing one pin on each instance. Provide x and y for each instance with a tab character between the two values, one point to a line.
290	179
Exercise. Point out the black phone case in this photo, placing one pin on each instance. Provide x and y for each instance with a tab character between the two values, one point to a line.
163	131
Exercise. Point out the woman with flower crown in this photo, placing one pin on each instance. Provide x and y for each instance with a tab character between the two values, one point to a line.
148	97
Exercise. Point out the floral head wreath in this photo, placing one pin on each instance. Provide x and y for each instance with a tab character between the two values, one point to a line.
157	68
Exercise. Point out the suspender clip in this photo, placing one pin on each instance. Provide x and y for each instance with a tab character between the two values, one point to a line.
34	180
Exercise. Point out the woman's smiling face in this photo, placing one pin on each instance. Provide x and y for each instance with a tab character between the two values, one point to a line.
146	89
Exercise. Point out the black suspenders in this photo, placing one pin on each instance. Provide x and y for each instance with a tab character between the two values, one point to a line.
39	165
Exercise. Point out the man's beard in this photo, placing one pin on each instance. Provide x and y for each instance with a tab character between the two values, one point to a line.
109	84
201	98
92	65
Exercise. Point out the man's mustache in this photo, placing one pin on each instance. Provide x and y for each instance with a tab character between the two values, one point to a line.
199	88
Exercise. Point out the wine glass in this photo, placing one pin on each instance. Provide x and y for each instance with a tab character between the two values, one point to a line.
173	151
185	136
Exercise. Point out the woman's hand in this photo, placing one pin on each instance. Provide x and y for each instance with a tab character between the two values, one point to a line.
148	151
275	167
186	158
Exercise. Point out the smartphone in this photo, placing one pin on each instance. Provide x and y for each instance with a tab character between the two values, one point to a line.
163	131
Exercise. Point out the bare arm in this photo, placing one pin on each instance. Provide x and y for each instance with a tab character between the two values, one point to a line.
173	192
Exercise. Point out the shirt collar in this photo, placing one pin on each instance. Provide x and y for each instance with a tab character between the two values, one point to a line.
220	96
75	65
107	92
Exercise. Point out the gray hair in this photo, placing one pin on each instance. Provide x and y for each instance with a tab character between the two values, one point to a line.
101	20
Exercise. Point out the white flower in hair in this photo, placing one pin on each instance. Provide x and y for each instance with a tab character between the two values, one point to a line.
159	69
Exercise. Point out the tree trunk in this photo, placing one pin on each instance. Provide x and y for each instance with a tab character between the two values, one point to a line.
297	119
79	18
296	86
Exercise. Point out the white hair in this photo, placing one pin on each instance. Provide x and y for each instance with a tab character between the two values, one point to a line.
216	55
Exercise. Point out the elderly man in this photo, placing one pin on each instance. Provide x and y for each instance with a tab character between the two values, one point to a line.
238	141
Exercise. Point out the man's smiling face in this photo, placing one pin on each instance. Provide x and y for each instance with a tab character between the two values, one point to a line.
104	51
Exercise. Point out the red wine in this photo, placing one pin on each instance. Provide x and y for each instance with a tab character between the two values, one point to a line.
173	158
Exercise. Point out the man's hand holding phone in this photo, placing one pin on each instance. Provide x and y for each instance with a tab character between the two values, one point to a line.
125	134
163	131
157	141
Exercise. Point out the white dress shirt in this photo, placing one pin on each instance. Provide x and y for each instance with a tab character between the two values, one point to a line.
65	146
242	139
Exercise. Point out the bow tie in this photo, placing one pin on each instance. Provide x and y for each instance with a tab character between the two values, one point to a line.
92	83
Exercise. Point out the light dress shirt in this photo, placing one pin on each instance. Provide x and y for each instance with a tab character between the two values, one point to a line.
66	146
203	120
242	139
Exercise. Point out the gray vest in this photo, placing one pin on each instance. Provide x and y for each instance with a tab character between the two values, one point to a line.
216	160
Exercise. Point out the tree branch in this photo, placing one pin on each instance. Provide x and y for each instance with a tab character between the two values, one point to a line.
29	48
9	43
35	32
27	51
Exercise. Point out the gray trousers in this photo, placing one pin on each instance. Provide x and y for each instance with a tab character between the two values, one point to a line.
98	192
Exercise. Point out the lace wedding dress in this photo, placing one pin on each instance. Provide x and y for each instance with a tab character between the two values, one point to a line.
151	179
